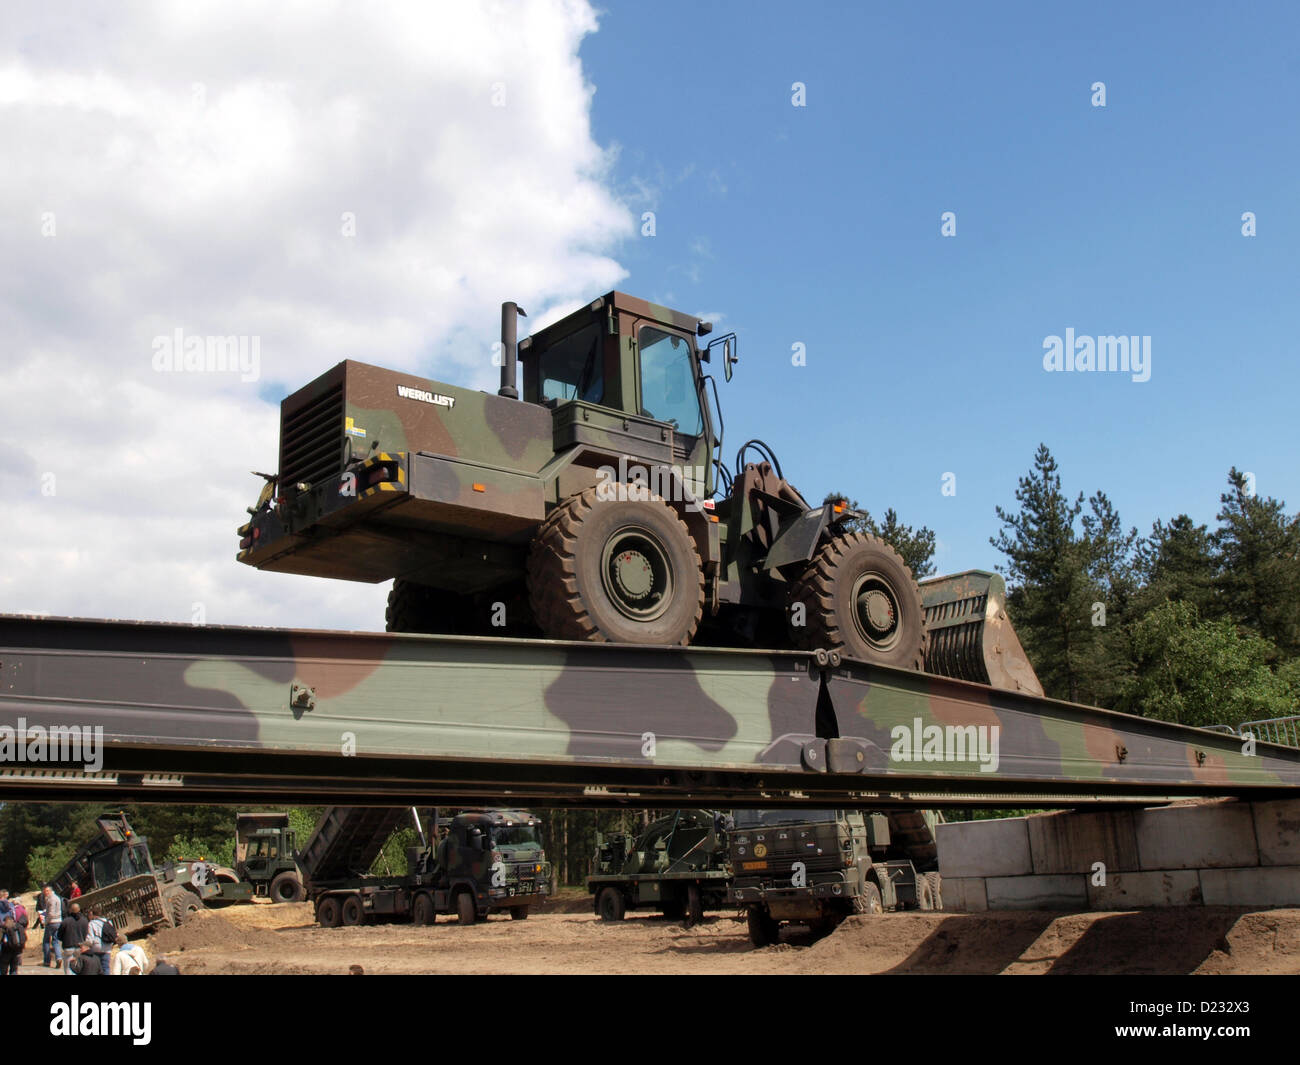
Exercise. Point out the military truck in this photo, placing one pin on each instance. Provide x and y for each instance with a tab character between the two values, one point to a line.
479	862
677	865
816	867
597	506
264	856
117	876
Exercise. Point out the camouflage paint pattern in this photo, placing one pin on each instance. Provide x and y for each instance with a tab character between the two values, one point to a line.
230	714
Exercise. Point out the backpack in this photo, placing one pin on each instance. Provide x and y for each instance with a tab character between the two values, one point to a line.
22	935
20	915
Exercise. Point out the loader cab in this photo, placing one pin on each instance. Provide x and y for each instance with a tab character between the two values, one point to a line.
630	357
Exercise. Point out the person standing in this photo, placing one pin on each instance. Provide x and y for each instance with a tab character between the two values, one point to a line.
72	933
130	959
12	941
50	911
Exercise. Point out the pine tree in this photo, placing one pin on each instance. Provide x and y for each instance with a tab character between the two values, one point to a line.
1177	562
1259	564
1051	598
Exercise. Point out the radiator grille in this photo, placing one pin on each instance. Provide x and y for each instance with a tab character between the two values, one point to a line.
311	440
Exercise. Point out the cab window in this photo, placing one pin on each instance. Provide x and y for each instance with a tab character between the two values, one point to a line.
573	368
668	381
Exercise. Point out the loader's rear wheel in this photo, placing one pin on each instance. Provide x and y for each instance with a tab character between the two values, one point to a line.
419	608
763	930
869	901
858	595
184	905
616	571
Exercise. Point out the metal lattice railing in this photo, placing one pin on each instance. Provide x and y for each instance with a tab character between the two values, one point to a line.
1284	731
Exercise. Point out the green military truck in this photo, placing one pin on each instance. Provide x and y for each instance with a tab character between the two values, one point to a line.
677	865
595	505
816	867
116	874
265	850
480	862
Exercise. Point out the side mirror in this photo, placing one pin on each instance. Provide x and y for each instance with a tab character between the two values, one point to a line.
729	356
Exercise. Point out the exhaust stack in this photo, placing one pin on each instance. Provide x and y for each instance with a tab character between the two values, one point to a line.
510	313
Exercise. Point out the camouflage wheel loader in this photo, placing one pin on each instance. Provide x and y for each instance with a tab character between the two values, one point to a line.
596	506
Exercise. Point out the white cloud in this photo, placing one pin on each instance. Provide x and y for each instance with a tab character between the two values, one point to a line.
189	167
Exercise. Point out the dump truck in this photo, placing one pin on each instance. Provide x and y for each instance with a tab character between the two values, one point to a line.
816	867
476	863
117	876
265	848
596	505
677	865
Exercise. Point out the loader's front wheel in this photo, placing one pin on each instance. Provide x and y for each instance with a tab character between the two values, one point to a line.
857	595
418	608
616	571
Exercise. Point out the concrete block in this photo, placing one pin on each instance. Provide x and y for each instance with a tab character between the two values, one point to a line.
1274	885
964	894
1137	891
1277	831
1037	892
1072	842
984	848
1217	836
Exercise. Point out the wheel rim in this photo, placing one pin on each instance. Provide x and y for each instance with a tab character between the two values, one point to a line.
876	611
636	574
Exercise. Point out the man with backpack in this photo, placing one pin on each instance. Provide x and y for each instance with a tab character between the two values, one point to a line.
100	929
12	941
72	933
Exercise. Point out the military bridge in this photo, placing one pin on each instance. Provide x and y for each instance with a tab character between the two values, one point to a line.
243	715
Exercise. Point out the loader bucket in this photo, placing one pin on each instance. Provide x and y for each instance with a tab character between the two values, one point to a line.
971	637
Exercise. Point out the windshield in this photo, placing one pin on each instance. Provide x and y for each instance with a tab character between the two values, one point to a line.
668	381
573	368
761	818
516	836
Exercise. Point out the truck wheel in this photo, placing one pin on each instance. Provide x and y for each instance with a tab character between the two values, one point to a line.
610	904
353	913
422	909
936	889
858	595
694	905
763	931
869	900
286	887
184	904
329	914
418	608
616	571
465	910
519	913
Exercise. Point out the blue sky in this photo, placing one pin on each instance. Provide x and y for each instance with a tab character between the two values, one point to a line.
821	225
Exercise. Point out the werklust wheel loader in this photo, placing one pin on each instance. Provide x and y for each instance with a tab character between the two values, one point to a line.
598	506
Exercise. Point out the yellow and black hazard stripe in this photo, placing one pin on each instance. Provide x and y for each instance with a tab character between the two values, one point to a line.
396	467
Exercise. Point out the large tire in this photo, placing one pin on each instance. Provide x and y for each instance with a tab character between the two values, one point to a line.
422	912
287	887
353	912
466	912
519	913
183	905
869	901
616	571
329	913
610	904
936	889
858	595
694	906
419	608
763	930
924	894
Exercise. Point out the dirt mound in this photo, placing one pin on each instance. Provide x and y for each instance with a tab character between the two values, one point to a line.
208	929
